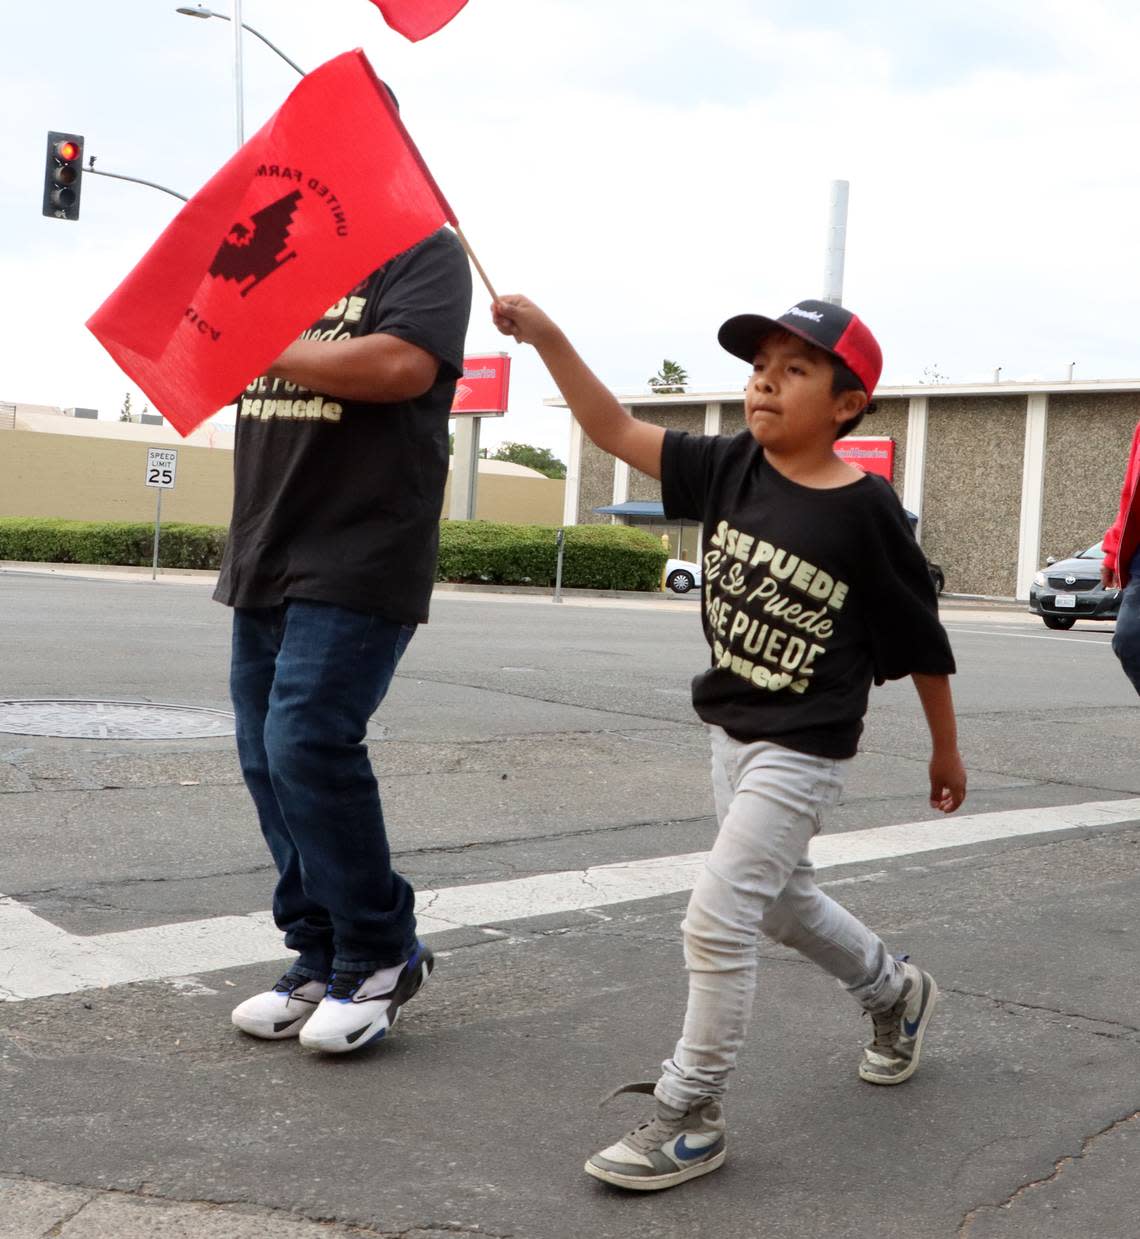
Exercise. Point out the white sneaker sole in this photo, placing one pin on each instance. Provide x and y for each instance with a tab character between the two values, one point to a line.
658	1183
912	1066
338	1043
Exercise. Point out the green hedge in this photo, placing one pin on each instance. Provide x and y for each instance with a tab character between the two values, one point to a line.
110	542
596	556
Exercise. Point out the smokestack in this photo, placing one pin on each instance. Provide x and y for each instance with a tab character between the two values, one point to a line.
836	243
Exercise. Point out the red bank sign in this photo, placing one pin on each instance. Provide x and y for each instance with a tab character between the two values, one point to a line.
483	388
872	453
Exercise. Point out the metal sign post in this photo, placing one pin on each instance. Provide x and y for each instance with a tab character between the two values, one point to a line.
560	542
161	466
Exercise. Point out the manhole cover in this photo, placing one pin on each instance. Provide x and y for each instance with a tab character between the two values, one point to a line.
112	720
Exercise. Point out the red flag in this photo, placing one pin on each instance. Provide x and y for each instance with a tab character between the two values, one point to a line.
327	191
416	19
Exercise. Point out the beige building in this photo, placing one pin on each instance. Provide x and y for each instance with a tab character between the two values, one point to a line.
56	465
1000	474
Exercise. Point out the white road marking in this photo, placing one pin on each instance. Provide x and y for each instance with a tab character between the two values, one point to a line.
38	958
1031	636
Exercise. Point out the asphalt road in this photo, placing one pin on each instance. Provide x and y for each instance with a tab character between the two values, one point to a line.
522	741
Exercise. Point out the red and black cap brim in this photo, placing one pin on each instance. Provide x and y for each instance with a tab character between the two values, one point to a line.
742	334
839	333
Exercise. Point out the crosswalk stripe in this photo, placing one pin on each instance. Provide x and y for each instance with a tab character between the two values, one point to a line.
38	959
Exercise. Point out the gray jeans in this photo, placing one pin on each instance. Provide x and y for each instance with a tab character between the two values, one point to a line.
757	877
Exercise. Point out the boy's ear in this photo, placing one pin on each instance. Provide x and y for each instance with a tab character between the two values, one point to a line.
848	404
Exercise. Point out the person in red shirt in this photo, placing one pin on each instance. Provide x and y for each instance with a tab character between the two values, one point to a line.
1121	566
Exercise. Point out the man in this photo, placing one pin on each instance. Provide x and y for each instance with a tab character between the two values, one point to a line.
339	470
1121	566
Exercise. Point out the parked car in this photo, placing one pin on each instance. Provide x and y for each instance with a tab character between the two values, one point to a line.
682	575
1067	590
935	570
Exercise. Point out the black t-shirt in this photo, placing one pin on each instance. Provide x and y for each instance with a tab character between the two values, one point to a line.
338	500
807	596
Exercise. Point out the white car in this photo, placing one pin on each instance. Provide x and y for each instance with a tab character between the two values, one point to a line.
681	575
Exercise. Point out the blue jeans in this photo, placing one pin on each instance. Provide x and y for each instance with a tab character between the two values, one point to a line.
1126	641
305	678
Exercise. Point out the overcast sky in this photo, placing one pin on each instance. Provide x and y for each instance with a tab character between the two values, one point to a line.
641	168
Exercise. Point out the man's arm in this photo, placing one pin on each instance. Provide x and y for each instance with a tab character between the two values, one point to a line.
378	368
947	773
591	402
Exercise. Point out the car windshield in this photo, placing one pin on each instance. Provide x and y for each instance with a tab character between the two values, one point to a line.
1093	552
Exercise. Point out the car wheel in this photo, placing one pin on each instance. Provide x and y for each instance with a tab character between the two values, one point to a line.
1059	621
680	581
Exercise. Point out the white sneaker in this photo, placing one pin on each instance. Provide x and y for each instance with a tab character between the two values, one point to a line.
282	1011
360	1007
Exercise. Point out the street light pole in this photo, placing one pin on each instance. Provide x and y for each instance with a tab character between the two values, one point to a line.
238	109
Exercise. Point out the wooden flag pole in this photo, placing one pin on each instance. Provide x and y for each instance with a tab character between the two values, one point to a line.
478	265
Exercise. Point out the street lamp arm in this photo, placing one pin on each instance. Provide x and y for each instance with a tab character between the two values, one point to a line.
188	12
273	47
137	180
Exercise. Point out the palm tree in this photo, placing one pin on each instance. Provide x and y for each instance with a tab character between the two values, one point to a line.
669	379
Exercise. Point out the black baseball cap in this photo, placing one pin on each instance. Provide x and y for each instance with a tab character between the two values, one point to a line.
829	327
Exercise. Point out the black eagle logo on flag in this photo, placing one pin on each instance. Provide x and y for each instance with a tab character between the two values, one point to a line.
254	253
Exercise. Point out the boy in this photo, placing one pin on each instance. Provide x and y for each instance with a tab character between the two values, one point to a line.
813	586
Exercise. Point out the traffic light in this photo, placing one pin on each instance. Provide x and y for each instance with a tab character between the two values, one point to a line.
63	175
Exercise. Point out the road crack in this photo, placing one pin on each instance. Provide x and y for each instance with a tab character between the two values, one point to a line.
1011	1004
1059	1166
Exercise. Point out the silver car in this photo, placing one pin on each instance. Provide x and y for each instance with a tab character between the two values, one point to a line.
1067	590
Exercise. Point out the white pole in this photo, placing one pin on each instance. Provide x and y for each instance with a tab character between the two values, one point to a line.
237	74
465	469
836	242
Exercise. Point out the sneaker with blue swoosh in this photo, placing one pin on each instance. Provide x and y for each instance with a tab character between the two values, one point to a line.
675	1145
892	1055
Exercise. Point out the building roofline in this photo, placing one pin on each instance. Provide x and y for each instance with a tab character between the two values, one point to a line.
1058	387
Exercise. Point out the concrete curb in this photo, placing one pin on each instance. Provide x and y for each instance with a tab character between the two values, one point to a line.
125	572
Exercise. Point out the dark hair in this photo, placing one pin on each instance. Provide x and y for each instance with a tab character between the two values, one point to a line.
843	380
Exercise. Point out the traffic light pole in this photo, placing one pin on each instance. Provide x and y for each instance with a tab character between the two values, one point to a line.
118	176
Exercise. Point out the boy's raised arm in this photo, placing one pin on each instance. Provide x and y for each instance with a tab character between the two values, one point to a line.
591	402
947	773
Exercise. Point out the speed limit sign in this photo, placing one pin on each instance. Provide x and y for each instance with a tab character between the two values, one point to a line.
161	466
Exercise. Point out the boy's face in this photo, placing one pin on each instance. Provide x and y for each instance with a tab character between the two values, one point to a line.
788	403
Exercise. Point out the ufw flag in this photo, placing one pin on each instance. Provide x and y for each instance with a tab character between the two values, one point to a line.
327	191
416	19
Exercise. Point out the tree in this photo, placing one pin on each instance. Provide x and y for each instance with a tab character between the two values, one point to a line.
931	374
125	414
669	379
540	458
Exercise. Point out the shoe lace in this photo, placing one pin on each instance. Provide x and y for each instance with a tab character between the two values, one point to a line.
660	1128
886	1025
345	984
289	982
